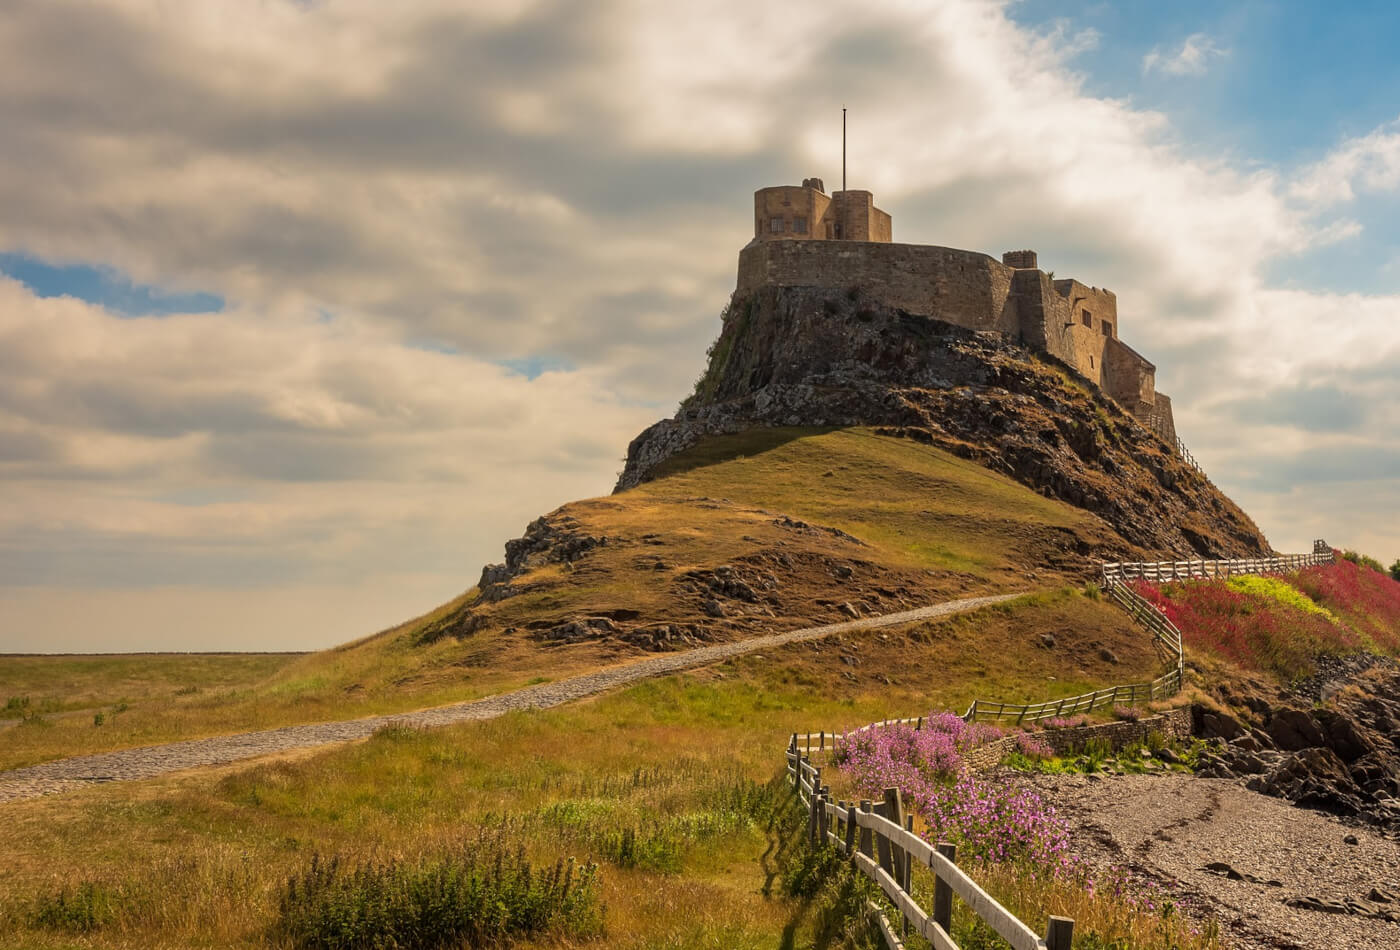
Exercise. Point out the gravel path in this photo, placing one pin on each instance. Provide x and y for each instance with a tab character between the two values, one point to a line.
1170	826
149	761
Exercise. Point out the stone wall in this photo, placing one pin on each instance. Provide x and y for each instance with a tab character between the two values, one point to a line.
1129	378
960	287
790	202
1174	726
1071	321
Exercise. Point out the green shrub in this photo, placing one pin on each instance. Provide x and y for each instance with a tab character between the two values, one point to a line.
477	895
82	911
1395	570
1364	560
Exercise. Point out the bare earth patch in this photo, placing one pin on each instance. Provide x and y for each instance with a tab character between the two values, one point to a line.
1170	827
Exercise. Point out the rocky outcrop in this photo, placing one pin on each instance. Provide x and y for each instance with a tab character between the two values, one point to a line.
1341	757
553	539
809	357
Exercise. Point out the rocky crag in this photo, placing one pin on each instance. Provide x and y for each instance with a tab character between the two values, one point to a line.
813	357
1331	743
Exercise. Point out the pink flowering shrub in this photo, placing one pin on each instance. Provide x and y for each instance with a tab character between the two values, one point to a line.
1128	713
899	755
1066	722
1033	748
990	822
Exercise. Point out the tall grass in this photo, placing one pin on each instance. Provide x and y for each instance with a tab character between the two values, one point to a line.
480	894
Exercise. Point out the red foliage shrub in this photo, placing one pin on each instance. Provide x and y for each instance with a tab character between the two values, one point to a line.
1367	600
1250	630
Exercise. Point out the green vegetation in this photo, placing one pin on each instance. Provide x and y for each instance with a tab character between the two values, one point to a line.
1276	588
476	895
668	787
933	525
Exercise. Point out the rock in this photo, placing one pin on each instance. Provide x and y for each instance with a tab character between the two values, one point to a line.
1212	724
1351	839
1343	736
1166	755
1246	743
1295	729
574	631
713	607
1315	778
1047	640
1107	655
850	611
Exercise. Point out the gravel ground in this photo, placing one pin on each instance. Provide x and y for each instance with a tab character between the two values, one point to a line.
1170	826
149	761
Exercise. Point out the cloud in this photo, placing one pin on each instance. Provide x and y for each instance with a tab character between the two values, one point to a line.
1193	58
467	252
1366	164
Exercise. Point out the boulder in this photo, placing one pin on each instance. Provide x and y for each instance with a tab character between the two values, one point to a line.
1295	729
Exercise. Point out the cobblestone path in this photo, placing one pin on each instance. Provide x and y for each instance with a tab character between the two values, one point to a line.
149	761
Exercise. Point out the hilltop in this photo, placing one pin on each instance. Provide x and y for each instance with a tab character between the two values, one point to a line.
813	356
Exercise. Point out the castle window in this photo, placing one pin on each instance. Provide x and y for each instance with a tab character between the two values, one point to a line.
1086	318
775	225
799	225
1107	328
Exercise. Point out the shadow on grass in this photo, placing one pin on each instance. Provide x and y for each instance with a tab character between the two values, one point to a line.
725	448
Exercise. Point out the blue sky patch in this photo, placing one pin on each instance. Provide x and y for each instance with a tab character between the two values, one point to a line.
532	367
104	287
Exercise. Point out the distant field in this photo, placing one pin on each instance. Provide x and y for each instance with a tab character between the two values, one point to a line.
56	683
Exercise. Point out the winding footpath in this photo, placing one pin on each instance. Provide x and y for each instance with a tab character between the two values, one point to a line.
150	761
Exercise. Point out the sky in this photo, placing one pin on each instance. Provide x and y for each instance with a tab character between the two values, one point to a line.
307	307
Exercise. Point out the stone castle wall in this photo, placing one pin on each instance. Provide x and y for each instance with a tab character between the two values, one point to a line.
962	287
1071	321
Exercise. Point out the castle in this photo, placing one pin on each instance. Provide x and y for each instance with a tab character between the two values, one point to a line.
806	238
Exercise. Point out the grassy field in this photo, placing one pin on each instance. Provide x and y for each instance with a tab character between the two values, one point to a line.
920	527
670	786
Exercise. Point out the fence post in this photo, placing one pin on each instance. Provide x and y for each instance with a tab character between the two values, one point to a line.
906	879
1060	934
891	854
812	813
848	809
943	891
867	837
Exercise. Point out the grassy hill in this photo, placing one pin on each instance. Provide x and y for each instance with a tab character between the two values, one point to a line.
809	520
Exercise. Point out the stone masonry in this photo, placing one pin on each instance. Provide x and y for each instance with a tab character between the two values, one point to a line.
803	238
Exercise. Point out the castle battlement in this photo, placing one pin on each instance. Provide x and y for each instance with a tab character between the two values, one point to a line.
803	238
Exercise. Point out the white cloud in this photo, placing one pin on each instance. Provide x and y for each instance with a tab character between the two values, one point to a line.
1193	58
1369	163
552	182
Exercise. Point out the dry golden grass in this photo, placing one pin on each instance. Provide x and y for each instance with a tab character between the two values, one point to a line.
931	527
687	762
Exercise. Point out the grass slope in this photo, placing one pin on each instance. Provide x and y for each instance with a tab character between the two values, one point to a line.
913	525
669	785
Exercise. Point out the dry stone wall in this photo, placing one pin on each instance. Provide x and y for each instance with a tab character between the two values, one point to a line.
1173	726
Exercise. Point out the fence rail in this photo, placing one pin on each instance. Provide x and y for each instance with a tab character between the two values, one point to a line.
879	840
1158	571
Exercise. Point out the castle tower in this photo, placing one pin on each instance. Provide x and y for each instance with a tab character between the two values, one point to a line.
806	213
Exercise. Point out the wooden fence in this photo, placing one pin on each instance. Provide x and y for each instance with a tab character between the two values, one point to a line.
879	840
1159	571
